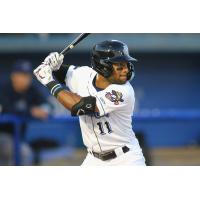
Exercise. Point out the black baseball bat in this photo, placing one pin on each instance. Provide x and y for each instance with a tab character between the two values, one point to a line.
74	43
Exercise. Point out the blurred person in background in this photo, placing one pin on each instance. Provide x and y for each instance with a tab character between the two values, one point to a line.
21	98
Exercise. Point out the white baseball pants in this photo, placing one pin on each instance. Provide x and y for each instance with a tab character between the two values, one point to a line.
130	158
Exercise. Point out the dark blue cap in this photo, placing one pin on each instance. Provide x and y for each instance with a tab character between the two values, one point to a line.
23	66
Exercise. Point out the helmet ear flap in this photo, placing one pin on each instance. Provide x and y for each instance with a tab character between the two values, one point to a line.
102	67
107	68
93	62
131	73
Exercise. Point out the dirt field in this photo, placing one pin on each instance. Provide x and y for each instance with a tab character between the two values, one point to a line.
189	156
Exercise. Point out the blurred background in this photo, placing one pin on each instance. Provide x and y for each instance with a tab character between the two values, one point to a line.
36	130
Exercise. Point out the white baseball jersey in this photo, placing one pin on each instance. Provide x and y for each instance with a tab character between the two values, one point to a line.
112	126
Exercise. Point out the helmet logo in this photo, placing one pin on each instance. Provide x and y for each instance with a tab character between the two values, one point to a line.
88	106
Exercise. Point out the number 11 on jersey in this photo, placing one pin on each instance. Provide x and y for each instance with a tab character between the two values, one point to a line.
101	127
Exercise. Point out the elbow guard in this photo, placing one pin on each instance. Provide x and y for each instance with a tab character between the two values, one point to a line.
85	106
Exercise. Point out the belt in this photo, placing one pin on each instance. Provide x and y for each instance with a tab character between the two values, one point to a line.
109	154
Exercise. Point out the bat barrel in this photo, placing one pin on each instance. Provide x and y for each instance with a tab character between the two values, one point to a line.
74	43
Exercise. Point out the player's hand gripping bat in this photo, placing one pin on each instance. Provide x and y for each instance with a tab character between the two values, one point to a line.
54	59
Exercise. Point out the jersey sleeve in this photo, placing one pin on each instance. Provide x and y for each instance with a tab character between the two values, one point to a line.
76	76
71	79
115	98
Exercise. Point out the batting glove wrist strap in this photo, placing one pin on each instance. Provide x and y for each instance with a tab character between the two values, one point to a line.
54	88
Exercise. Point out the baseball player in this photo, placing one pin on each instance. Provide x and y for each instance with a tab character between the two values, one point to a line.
103	99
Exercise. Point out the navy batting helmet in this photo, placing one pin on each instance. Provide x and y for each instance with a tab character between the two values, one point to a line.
108	52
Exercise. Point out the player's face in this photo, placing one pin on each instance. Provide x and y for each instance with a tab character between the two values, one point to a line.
120	71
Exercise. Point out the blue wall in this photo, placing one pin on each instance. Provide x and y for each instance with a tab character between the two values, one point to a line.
168	81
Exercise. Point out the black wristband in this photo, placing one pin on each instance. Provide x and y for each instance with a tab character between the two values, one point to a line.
54	88
60	74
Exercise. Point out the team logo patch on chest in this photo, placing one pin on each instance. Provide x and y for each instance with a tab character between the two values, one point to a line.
114	96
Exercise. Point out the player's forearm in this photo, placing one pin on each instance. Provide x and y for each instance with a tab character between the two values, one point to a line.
76	104
68	99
